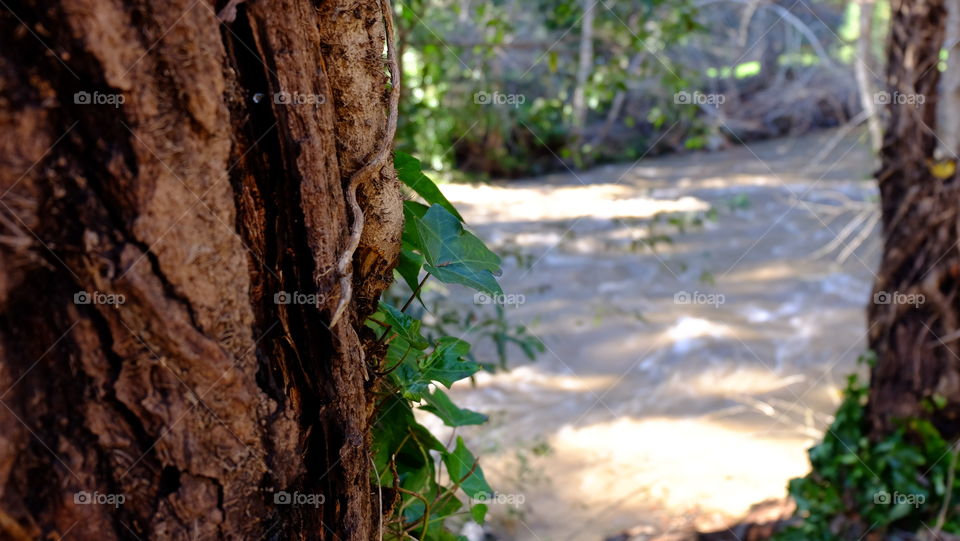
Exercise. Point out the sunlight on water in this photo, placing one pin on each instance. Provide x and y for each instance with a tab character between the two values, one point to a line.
595	200
681	384
684	463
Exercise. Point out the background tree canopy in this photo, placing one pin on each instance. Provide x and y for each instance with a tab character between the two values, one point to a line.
598	81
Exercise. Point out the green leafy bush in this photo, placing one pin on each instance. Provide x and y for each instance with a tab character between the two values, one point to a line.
899	484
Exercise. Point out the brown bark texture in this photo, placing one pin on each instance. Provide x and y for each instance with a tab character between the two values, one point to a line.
173	203
914	319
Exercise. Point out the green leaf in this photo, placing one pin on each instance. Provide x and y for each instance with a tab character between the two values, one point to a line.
401	324
454	255
439	404
419	480
444	504
446	363
899	511
412	211
410	173
408	267
479	512
395	424
463	468
415	372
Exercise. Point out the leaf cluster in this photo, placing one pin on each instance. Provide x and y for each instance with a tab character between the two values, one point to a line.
858	485
430	482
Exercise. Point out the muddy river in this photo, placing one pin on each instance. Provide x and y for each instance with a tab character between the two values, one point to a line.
685	372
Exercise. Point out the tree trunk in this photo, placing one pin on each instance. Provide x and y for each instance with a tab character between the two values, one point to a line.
915	316
863	70
154	383
948	103
584	66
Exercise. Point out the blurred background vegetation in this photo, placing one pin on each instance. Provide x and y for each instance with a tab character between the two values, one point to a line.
504	88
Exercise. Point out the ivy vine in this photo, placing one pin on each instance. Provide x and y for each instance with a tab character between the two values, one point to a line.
861	488
427	483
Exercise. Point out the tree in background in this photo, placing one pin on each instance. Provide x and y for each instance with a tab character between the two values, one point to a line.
517	88
180	305
917	344
886	467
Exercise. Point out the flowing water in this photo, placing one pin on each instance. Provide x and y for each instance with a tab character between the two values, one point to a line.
681	383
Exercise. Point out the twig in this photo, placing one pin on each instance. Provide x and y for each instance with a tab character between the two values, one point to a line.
386	331
375	163
395	366
424	517
415	293
860	238
379	492
456	485
842	236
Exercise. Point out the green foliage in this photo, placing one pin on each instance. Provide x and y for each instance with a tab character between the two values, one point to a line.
856	485
494	328
410	172
454	51
663	226
451	253
408	460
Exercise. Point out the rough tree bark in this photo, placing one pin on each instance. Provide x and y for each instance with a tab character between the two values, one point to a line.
916	344
221	181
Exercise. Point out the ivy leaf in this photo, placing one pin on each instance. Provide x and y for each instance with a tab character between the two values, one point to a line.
439	404
401	324
453	254
415	371
463	468
410	172
411	211
479	512
418	481
408	267
396	425
443	506
446	363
